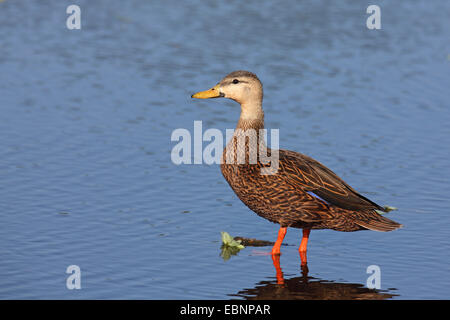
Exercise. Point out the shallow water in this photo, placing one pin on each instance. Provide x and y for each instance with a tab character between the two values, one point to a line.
85	167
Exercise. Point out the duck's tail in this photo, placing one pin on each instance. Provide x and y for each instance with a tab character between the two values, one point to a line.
374	221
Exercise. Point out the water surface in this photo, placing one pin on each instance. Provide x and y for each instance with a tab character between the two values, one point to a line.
87	116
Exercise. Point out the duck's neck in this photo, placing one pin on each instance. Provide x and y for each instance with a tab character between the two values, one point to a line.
249	133
247	146
252	116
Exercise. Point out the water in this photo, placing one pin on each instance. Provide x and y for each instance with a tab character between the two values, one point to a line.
87	115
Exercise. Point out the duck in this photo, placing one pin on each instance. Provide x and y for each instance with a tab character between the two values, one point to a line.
299	192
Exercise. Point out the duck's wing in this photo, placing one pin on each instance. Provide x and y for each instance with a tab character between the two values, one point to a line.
313	177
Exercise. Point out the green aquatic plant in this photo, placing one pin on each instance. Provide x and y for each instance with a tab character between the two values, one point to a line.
229	241
230	246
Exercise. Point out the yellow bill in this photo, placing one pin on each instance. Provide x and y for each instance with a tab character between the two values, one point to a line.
211	93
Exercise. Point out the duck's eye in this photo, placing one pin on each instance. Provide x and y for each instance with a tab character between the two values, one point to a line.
235	81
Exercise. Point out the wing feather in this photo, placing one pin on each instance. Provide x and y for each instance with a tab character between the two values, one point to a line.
310	175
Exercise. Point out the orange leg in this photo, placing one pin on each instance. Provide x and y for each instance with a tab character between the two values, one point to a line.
277	245
303	246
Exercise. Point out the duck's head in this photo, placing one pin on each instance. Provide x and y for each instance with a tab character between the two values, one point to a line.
243	87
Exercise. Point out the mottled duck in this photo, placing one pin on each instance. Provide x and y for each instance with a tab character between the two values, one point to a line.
302	193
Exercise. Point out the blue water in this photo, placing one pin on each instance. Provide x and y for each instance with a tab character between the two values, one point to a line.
86	176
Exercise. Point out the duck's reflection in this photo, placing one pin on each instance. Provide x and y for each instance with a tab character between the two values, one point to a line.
310	288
